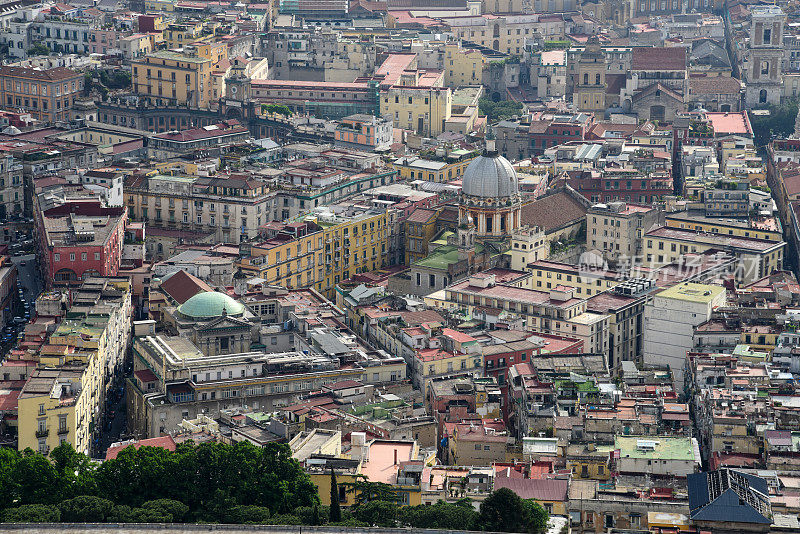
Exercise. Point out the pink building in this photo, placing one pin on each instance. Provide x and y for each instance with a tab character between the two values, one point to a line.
102	41
80	238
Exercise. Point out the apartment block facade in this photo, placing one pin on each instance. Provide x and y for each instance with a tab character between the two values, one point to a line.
48	95
174	78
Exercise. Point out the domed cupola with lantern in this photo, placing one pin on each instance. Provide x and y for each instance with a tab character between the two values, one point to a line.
490	194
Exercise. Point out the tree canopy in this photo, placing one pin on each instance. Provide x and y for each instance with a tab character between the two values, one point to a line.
497	111
194	483
219	483
504	511
779	122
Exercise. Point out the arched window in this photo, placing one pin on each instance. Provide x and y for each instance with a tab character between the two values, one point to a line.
762	96
65	275
585	78
597	78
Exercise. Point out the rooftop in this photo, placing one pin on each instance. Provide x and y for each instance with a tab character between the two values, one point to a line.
692	292
655	447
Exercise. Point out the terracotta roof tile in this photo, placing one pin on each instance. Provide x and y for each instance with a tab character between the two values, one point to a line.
553	211
182	286
659	58
711	85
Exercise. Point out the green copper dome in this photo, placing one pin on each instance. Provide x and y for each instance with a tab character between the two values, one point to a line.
210	304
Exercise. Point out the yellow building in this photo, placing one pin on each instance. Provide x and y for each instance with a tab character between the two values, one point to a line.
442	169
729	227
159	6
756	257
760	337
462	66
420	230
174	78
289	264
429	363
63	400
590	85
546	275
472	444
587	461
56	406
337	248
730	433
210	49
423	109
179	35
136	45
344	480
528	245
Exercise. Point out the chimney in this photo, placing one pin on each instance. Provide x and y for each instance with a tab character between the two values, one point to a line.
395	457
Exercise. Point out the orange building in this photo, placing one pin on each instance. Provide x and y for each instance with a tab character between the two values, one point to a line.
48	95
365	132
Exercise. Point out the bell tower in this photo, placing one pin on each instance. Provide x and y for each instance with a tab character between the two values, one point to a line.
763	66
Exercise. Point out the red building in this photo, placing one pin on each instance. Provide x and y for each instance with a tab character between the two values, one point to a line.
561	129
624	184
78	239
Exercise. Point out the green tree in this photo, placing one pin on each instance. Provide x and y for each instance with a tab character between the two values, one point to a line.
312	515
32	513
36	479
277	109
336	507
502	511
252	515
778	123
195	482
38	50
126	514
378	513
75	472
365	491
9	487
536	516
497	111
459	516
85	509
174	511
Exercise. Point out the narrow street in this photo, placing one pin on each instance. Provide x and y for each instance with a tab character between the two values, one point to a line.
29	277
114	427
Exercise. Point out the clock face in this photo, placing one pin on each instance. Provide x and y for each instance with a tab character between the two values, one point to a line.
234	89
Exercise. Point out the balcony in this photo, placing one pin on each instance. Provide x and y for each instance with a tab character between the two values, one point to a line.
62	431
42	433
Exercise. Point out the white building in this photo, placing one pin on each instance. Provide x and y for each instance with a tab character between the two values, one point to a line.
669	321
657	455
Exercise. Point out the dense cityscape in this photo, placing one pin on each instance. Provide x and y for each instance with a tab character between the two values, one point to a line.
470	265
